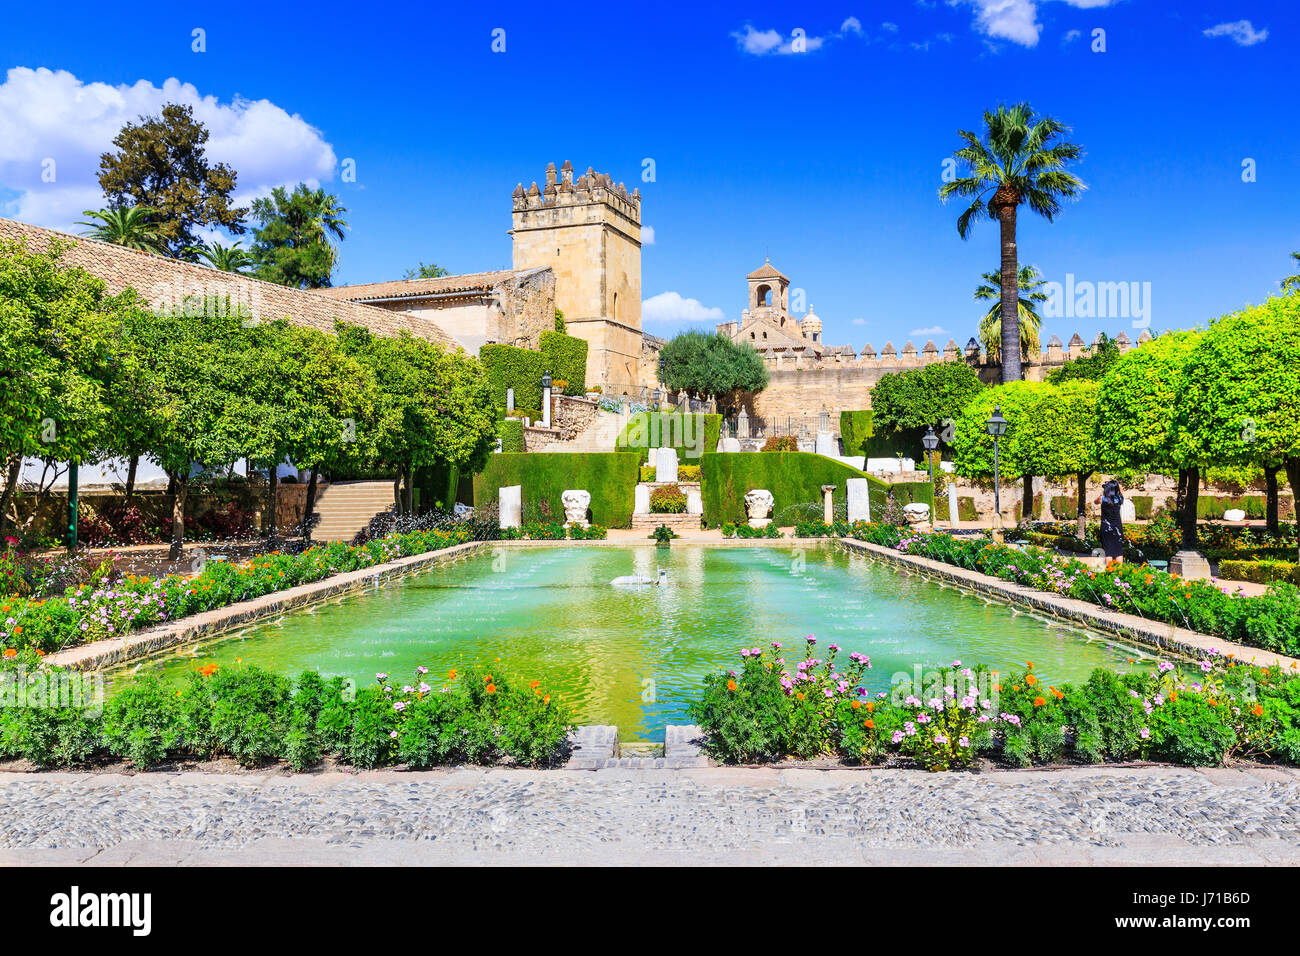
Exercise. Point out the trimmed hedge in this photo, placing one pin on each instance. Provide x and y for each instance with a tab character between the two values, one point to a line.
794	478
1260	572
566	358
510	367
609	477
668	430
1143	507
512	435
858	435
855	431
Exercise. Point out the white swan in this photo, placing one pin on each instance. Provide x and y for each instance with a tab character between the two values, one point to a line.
629	580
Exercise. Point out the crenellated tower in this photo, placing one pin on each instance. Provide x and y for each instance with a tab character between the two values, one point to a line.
588	232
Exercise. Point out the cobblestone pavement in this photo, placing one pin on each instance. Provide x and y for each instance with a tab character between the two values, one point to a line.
706	816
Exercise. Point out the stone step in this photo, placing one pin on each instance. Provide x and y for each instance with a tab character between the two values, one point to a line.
682	522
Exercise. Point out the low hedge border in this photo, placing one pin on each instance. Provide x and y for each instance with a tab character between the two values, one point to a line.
1260	572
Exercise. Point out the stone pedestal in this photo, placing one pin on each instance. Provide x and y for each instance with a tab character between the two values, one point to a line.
1190	565
575	504
742	425
825	444
758	505
546	408
510	504
694	503
828	503
641	500
859	493
917	515
953	510
731	444
666	465
651	456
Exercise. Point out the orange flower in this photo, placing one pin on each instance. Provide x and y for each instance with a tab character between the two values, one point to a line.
1031	680
798	695
18	629
546	699
208	670
10	652
1039	702
1257	710
856	704
534	683
39	652
871	707
1173	696
731	685
488	679
451	674
491	688
869	724
1029	665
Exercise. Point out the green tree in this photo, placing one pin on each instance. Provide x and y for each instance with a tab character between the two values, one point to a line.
56	324
1030	294
1241	401
132	227
292	239
161	164
1020	403
227	258
423	271
1136	426
705	365
1017	161
1292	283
933	394
559	320
1091	367
1058	438
432	407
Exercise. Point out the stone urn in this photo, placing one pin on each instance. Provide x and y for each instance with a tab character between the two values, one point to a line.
575	504
758	505
917	515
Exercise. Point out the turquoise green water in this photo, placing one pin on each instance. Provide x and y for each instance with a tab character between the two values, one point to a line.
635	657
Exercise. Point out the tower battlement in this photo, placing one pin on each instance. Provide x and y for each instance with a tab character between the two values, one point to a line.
561	191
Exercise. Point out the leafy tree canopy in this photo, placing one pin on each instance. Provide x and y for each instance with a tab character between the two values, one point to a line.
1091	367
423	271
701	364
924	396
161	164
292	239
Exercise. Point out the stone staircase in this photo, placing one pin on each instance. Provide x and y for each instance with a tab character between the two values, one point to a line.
599	435
347	508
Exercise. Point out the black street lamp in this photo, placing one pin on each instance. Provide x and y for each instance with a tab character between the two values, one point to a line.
546	380
997	427
931	441
655	396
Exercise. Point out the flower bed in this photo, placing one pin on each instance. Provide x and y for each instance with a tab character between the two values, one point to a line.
1270	621
255	716
1205	714
110	609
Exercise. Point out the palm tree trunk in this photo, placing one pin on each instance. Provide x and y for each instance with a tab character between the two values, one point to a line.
1027	499
14	468
1010	295
1189	507
273	481
178	516
309	510
1083	506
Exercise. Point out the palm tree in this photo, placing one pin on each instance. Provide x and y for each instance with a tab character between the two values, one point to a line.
327	219
1292	282
1029	284
1020	164
227	258
132	227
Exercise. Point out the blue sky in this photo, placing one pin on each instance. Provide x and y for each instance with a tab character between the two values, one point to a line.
828	160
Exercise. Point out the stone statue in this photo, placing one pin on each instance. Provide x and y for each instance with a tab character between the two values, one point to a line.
758	505
575	504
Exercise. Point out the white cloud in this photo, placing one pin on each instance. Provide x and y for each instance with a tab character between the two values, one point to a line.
891	27
1241	32
858	322
47	114
931	331
671	307
1016	20
763	42
647	239
1070	37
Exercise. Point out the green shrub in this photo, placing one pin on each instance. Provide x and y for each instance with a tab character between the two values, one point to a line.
855	431
1143	506
692	434
966	510
49	736
566	358
609	477
142	721
508	367
512	435
667	500
240	711
1260	572
781	443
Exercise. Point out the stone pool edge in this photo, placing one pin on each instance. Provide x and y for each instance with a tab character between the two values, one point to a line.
1139	630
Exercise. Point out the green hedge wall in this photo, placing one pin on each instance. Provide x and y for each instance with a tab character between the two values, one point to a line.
668	430
511	431
1255	506
858	435
855	431
566	358
1260	572
608	476
794	478
510	367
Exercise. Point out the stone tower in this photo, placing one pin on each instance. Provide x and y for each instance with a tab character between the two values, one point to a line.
588	233
769	294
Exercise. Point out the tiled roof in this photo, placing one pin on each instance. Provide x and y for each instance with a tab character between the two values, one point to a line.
472	282
767	271
158	278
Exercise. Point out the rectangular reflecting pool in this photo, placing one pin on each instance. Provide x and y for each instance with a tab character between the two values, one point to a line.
636	656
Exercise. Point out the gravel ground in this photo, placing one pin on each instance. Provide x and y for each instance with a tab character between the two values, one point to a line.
706	816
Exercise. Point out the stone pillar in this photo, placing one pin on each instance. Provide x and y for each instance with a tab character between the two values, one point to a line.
546	408
694	503
510	503
641	500
859	494
825	444
952	504
742	425
510	400
828	503
666	465
758	505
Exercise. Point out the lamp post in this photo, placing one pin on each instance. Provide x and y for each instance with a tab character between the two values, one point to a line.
655	398
546	399
997	427
931	441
